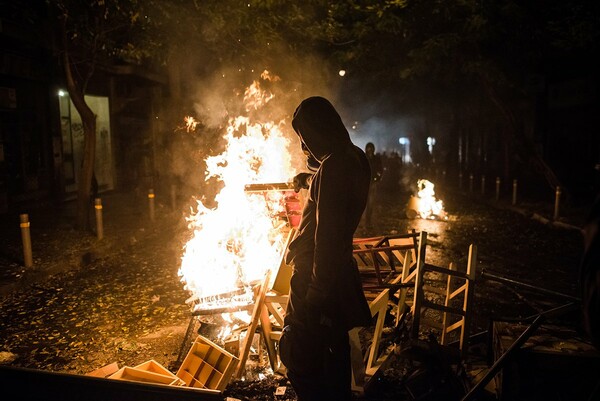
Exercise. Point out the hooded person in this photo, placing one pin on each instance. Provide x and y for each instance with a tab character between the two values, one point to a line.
326	297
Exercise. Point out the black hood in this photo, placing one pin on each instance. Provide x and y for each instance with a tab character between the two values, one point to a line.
320	126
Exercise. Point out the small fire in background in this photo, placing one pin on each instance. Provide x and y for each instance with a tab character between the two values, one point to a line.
235	244
425	205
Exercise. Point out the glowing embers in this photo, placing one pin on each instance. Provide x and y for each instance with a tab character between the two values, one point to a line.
425	205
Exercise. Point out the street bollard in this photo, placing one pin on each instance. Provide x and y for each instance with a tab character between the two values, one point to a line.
514	194
151	203
557	203
483	185
26	238
460	181
99	223
497	188
470	182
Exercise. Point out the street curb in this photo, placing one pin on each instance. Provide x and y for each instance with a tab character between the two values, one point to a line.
525	212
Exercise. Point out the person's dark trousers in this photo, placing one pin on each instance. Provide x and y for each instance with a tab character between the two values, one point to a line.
317	359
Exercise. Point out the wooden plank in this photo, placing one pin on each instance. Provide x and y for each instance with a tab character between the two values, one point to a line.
378	307
104	371
265	323
357	362
247	342
442	308
418	295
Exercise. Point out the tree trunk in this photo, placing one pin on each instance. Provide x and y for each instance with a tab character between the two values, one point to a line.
523	144
88	118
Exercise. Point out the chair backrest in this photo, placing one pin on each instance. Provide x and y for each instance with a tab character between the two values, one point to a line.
385	257
452	304
400	245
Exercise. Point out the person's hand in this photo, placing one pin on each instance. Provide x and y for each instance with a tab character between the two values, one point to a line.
301	181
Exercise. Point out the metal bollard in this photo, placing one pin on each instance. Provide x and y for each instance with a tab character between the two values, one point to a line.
99	223
557	203
497	188
483	185
470	182
151	203
26	238
514	193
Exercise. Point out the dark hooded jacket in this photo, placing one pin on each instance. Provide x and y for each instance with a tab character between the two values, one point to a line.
326	281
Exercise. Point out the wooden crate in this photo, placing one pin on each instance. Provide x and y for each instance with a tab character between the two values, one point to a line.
207	366
155	367
137	375
104	371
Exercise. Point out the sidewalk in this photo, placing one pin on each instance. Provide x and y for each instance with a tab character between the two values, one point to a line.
571	217
57	246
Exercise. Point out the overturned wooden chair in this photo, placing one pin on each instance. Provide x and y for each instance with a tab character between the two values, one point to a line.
270	304
274	308
446	307
388	270
368	361
381	259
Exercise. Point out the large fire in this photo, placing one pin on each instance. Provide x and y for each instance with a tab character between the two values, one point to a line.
235	244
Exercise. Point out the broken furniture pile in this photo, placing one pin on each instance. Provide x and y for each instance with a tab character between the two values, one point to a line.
397	283
421	314
410	299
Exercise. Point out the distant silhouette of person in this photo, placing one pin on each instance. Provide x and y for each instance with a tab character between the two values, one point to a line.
376	173
590	275
392	166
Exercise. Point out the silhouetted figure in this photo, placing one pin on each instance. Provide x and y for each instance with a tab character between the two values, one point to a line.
326	297
376	174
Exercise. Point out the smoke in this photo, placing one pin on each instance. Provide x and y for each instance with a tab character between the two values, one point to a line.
383	132
208	86
216	96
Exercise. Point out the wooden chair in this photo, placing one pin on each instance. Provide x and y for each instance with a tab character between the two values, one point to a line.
367	363
270	303
390	261
274	308
453	309
257	313
381	259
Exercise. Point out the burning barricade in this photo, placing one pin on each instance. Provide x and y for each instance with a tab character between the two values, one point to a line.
234	254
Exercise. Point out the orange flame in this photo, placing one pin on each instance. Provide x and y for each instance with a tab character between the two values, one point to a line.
428	206
236	243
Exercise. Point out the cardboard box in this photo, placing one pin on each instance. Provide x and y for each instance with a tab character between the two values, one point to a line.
207	366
